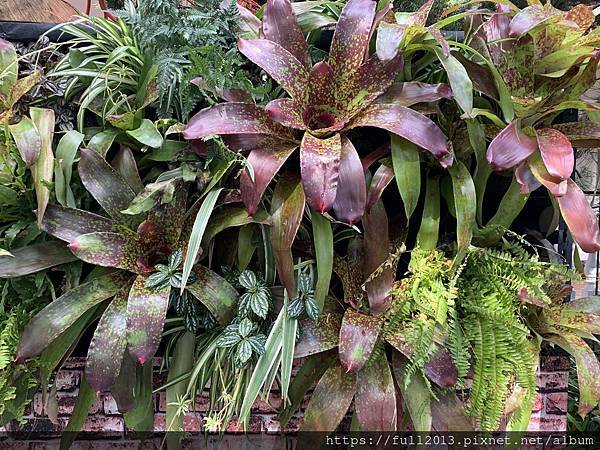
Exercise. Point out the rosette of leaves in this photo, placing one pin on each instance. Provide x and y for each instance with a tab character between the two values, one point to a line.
244	339
131	245
257	298
325	102
305	300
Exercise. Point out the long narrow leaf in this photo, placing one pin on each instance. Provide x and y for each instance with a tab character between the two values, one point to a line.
465	202
428	235
43	169
290	326
33	258
323	239
83	404
406	161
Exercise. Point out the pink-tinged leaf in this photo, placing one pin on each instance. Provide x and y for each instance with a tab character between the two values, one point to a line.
526	178
510	147
320	165
556	151
377	252
412	92
318	336
388	39
351	37
287	112
375	155
375	399
124	163
265	163
214	292
580	134
556	186
280	25
9	68
146	312
528	18
580	218
27	139
233	118
108	249
280	64
321	88
409	124
349	205
69	223
109	188
497	29
419	17
358	335
287	208
382	177
440	368
437	35
107	347
60	314
33	258
330	400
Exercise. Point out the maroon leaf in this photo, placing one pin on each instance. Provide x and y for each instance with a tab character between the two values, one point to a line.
330	400
27	139
109	188
358	335
319	165
448	414
526	178
146	312
382	177
214	292
69	223
287	208
375	155
441	369
108	249
497	29
265	163
580	218
286	111
318	336
321	87
410	125
107	347
233	118
33	258
171	216
377	251
279	25
375	399
280	64
510	147
556	151
124	163
349	205
412	92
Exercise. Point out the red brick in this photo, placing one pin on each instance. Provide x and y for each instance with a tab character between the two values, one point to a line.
539	403
271	407
534	422
201	404
553	380
554	363
192	422
556	402
553	423
110	425
65	402
255	425
67	380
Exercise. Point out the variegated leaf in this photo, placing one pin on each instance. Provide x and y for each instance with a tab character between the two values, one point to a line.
108	249
69	223
318	336
358	335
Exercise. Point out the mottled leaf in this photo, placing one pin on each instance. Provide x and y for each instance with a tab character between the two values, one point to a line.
43	169
286	111
358	335
9	68
321	96
448	414
349	204
124	163
528	18
510	147
412	92
580	218
440	368
108	249
101	142
556	151
580	134
581	314
317	336
69	223
33	258
389	36
214	292
27	139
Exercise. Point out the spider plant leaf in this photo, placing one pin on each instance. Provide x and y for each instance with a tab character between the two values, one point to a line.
107	347
557	152
412	92
510	147
280	64
406	161
59	315
265	163
351	192
428	235
280	25
465	202
408	124
27	139
318	336
323	242
147	134
382	177
108	249
287	208
33	258
215	293
319	165
146	312
375	399
63	170
580	218
109	188
81	409
43	169
69	223
287	112
358	335
102	141
124	163
9	68
330	400
458	78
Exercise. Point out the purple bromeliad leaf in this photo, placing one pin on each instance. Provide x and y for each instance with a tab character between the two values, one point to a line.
108	249
555	185
580	218
358	335
526	178
381	179
557	152
318	336
349	205
321	88
287	112
510	147
412	92
69	223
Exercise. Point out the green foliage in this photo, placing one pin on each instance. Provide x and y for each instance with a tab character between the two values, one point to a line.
305	300
244	341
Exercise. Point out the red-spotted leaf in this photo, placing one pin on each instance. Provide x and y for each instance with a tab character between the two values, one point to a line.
349	205
526	178
319	165
60	314
321	89
69	223
107	347
409	124
556	151
330	400
233	118
376	252
581	134
510	147
581	314
287	208
33	258
287	112
279	25
580	218
214	292
530	17
280	64
171	215
108	249
375	399
109	188
358	335
381	178
124	163
413	92
146	312
27	139
351	38
318	336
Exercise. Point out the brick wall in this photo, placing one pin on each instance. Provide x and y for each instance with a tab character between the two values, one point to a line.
549	415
